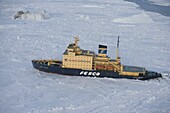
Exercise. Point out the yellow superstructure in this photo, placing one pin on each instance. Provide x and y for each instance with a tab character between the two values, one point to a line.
75	57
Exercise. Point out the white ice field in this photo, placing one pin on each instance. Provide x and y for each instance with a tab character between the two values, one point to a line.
144	41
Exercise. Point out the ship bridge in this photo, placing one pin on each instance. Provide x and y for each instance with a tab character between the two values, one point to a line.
75	57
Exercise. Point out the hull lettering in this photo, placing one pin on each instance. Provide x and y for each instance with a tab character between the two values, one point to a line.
90	73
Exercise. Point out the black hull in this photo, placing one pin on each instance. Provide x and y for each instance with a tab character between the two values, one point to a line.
56	68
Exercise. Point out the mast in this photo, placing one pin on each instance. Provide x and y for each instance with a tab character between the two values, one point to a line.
117	49
76	41
77	49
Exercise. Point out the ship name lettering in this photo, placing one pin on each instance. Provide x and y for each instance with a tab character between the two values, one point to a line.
89	73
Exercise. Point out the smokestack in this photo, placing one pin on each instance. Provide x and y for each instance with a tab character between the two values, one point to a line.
102	51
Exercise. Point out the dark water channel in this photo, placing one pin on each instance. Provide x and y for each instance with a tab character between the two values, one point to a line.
151	7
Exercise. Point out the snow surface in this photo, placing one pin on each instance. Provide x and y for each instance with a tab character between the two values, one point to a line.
137	18
161	2
142	43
